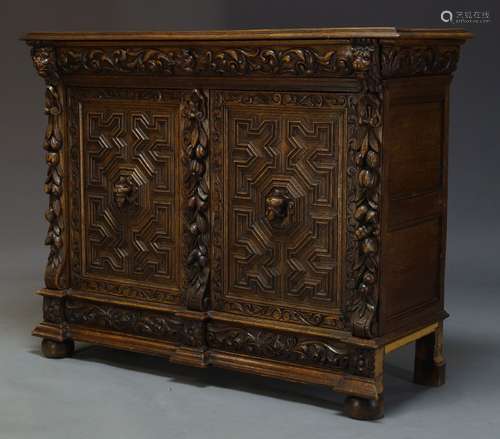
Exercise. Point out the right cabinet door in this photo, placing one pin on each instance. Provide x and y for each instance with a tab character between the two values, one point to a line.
278	184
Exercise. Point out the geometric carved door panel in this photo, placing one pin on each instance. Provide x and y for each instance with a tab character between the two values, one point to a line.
279	169
125	155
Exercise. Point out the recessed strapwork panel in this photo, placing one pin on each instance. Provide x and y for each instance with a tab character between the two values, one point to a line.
278	169
126	236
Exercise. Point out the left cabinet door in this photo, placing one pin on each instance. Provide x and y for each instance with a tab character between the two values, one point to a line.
125	154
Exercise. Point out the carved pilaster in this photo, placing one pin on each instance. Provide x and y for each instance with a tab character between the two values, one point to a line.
196	225
365	205
44	60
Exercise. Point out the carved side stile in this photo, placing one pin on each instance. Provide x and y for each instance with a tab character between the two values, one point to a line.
44	60
364	206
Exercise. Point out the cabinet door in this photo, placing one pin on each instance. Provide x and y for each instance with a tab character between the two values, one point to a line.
278	166
126	236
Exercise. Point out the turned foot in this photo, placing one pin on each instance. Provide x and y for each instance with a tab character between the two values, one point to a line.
430	365
364	409
57	349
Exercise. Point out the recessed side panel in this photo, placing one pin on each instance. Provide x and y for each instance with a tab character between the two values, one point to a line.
414	201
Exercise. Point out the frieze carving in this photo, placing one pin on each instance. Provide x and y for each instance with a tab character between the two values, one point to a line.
44	61
289	347
364	194
193	333
140	322
313	100
332	60
401	60
281	313
117	289
196	224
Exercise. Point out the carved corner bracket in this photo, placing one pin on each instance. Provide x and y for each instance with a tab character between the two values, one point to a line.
364	206
196	224
44	61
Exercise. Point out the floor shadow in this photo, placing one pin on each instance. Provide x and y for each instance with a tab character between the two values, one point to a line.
319	396
399	388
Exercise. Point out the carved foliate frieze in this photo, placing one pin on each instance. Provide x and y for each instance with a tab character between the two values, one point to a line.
145	323
196	189
140	292
283	314
44	61
308	350
329	60
193	333
409	60
363	193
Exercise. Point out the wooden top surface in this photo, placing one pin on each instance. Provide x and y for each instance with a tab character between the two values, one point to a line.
256	34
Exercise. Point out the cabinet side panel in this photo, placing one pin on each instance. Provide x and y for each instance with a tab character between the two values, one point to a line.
414	201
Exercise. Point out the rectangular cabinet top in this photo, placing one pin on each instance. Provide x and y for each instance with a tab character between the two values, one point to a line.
257	34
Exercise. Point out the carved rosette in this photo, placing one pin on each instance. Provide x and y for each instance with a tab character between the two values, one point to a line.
364	203
195	134
44	61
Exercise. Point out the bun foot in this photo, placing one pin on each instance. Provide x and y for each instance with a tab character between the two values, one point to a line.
364	409
57	349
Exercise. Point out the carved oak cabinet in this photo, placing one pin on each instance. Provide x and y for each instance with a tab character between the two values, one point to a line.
268	201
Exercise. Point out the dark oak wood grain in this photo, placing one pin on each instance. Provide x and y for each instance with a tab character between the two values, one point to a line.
268	201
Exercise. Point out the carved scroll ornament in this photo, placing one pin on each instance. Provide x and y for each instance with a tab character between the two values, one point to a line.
400	60
144	323
332	60
308	350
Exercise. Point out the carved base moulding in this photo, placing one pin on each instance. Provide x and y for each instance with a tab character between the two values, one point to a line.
272	202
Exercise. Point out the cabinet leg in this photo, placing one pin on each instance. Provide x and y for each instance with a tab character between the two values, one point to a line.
364	409
57	349
430	365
